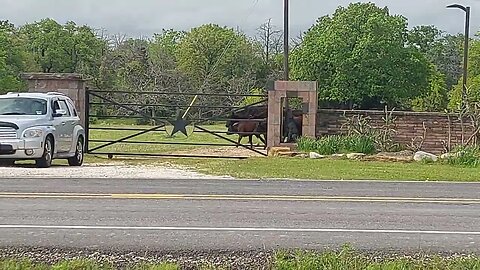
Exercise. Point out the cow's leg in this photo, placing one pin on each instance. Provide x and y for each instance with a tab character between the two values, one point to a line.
239	140
263	141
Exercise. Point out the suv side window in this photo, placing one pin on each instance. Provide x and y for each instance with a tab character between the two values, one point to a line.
64	106
72	106
55	106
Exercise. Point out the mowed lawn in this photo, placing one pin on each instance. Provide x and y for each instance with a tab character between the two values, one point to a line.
263	168
328	169
157	138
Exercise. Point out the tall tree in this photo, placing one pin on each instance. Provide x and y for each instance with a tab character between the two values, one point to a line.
360	60
14	59
215	56
64	48
270	40
473	80
443	50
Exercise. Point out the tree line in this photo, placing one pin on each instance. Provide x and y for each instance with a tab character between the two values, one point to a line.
362	56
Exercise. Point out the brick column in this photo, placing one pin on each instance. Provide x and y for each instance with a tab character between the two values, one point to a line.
70	84
307	90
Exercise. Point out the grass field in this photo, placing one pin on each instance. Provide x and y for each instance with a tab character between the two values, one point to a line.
344	259
174	143
273	167
326	169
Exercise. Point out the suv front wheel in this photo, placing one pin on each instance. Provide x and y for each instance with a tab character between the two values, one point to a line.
46	160
77	160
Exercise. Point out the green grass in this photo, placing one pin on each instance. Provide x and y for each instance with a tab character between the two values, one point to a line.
326	169
276	167
14	264
349	259
158	136
346	258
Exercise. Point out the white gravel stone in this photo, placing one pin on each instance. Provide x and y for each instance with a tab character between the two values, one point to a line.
106	171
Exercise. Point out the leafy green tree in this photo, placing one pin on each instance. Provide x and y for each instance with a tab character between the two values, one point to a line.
215	56
436	98
162	50
360	60
473	80
64	48
443	50
14	59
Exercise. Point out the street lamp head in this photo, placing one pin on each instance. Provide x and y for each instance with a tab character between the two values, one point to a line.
457	6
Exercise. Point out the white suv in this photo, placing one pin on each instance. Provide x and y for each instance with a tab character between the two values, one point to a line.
40	127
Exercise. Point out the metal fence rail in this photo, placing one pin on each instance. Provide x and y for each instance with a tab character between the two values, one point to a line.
108	107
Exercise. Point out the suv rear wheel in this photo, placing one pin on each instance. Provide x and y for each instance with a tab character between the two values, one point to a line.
46	160
77	160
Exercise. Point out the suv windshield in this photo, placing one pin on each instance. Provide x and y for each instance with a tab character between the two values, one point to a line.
23	106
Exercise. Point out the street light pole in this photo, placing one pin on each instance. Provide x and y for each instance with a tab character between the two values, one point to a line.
465	50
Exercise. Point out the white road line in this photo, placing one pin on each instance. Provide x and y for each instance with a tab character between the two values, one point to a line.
233	229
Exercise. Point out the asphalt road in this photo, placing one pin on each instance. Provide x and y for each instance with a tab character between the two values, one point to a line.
239	215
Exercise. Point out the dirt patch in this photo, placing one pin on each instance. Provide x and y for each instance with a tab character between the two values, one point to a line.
222	152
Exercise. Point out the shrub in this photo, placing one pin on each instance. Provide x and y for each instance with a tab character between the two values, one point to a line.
307	144
468	156
330	145
359	144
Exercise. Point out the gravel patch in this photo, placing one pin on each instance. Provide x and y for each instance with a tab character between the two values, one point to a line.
123	259
113	170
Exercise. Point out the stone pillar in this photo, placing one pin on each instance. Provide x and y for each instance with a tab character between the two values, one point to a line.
70	84
307	90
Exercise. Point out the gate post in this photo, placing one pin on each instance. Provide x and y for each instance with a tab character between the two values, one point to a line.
70	84
307	90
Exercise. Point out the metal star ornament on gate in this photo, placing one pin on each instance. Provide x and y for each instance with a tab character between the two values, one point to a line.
179	125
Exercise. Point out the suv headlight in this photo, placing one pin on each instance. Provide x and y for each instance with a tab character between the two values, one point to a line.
33	133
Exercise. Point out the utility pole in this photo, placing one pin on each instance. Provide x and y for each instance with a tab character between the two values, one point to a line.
288	117
285	40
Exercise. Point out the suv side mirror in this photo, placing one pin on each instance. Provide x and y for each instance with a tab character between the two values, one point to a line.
59	113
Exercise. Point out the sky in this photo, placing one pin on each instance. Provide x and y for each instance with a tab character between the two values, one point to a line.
145	17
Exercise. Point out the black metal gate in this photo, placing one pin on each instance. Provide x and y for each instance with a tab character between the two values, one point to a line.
162	124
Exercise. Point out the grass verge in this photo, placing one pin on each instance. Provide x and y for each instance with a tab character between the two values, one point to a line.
346	258
327	169
276	167
349	259
11	264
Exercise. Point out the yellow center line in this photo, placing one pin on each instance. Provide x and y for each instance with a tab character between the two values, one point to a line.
245	197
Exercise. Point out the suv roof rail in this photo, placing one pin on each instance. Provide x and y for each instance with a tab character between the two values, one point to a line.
56	93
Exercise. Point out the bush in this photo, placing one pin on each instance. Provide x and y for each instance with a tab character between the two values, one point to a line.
468	156
307	144
359	144
330	145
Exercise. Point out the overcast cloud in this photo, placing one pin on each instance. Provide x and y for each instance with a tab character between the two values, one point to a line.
145	17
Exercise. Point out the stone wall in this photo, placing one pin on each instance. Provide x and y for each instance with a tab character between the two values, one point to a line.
408	125
70	84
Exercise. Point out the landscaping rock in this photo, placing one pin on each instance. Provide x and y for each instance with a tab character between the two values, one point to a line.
449	155
338	156
424	156
287	154
402	156
355	156
403	153
274	151
314	155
